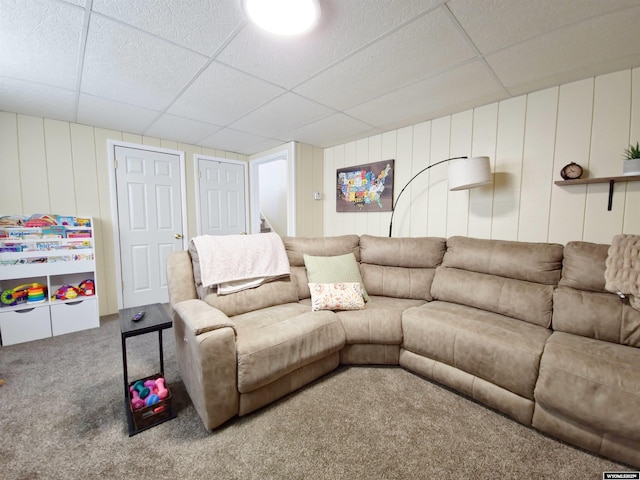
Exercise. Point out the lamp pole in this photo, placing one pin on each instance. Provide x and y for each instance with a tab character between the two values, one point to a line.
394	205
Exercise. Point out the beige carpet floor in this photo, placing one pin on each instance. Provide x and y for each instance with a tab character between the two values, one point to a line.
62	417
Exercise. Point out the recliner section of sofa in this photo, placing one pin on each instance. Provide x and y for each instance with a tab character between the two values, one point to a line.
588	389
525	328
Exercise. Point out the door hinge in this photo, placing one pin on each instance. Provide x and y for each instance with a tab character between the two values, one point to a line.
115	164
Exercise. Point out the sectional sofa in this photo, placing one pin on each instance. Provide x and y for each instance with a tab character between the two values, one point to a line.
527	329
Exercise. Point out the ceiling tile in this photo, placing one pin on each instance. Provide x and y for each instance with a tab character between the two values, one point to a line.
233	141
104	113
453	90
127	65
36	99
180	129
201	25
40	41
345	26
420	49
270	121
338	128
221	95
505	22
556	58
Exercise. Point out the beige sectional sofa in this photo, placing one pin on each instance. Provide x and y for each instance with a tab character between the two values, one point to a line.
525	328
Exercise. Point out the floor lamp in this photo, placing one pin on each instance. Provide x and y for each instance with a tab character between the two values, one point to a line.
463	172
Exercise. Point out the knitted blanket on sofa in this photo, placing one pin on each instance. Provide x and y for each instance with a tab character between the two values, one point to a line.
622	274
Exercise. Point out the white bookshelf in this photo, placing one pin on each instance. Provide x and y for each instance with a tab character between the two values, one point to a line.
53	258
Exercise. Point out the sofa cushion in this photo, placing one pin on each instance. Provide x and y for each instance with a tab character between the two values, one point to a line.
334	269
531	262
400	267
379	323
510	278
336	296
296	247
582	306
277	340
574	368
266	295
527	301
496	348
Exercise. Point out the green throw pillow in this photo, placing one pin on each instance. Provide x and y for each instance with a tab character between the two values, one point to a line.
338	269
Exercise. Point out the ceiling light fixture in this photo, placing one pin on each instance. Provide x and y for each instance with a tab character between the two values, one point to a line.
283	17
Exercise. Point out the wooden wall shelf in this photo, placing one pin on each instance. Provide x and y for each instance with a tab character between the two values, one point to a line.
610	180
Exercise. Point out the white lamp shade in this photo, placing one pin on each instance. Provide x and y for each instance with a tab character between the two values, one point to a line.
465	173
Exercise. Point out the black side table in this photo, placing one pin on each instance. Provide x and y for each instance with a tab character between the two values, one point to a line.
156	319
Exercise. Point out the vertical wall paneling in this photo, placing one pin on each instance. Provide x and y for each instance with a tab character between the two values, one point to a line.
485	131
349	160
437	178
374	219
10	180
33	165
508	168
573	140
190	186
329	203
420	160
537	165
612	98
85	168
339	162
388	150
458	202
57	138
318	186
105	251
632	199
361	156
303	185
404	154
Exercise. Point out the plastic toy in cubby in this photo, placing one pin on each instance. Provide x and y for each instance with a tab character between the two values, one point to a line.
27	293
87	287
66	292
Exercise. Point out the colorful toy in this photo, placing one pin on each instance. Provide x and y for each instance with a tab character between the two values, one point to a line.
143	392
136	402
66	292
87	287
152	399
15	296
36	293
162	390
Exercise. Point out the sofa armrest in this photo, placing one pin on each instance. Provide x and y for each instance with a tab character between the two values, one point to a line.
206	354
180	281
200	317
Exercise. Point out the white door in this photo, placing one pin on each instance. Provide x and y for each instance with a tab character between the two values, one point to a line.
222	209
149	197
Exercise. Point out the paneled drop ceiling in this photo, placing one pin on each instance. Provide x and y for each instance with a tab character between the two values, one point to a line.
196	71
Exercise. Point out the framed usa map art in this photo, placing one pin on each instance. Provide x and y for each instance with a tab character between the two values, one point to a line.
365	188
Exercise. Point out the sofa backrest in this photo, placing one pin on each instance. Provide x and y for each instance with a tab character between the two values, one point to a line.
400	267
296	247
582	306
266	295
511	278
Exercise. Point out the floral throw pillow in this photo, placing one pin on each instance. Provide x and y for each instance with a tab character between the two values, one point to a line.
336	296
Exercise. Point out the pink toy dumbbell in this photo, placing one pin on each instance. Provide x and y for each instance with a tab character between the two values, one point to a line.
136	402
162	390
151	385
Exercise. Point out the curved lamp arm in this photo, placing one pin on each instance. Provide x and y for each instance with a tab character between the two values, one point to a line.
468	173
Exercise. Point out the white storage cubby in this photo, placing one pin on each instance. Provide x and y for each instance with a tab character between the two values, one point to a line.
52	258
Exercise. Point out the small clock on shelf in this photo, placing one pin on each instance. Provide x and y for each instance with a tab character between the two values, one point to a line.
571	171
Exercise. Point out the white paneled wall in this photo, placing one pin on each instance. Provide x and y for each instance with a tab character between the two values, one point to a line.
50	166
529	139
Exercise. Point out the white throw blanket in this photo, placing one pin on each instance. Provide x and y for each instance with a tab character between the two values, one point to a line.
238	262
622	274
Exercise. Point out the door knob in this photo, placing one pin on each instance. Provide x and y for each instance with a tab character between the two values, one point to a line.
178	236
